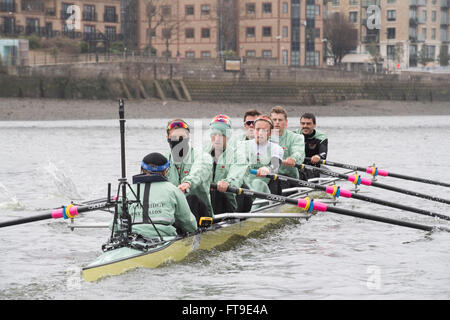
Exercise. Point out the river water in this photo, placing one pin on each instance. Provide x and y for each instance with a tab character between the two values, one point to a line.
44	165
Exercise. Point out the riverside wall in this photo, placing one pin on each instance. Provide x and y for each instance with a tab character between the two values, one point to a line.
209	82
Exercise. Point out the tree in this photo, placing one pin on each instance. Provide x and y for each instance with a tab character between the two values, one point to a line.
374	50
423	57
341	36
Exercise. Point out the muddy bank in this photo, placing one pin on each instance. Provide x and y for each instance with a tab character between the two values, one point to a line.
25	109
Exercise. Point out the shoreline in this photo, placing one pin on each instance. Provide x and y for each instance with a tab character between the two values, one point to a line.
28	109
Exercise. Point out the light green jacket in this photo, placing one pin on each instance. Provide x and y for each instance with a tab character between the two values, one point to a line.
229	169
167	206
195	168
294	147
257	157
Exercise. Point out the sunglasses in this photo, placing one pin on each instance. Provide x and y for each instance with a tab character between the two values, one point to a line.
250	122
177	124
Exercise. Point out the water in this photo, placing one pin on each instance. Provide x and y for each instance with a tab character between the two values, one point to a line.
46	164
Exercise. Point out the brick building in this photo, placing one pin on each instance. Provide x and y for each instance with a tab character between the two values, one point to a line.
403	30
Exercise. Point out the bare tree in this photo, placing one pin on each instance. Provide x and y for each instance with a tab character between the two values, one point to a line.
159	16
341	36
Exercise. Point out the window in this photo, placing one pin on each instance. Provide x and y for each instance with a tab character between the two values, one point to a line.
267	7
89	13
206	54
335	3
110	33
251	8
433	34
166	11
110	14
250	32
391	15
433	16
205	9
391	1
353	2
267	53
285	32
32	25
285	8
317	32
166	33
312	58
267	31
250	53
310	11
430	52
391	33
205	33
390	51
89	32
189	9
190	54
353	17
295	58
189	33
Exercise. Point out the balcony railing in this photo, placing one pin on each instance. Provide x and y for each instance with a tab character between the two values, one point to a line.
417	3
33	6
110	18
7	6
89	16
366	3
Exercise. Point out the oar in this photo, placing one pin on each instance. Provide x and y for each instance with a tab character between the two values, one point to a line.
67	212
357	180
379	172
338	191
311	205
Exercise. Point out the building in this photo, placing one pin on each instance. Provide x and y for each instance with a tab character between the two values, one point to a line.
290	32
405	32
86	20
14	52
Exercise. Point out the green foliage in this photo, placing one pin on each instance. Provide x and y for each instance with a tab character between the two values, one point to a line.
117	47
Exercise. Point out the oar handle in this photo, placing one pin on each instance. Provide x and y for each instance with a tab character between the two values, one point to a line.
67	212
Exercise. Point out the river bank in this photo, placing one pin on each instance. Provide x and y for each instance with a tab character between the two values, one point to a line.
26	109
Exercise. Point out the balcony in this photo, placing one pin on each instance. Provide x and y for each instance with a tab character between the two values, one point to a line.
32	6
371	38
107	17
50	12
89	16
7	6
367	3
417	3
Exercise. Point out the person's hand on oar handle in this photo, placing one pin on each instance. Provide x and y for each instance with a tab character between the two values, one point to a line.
222	186
289	162
184	187
262	172
315	159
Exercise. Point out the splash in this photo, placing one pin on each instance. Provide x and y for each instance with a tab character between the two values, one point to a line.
63	183
9	201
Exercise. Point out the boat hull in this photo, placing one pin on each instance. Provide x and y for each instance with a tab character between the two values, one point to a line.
118	261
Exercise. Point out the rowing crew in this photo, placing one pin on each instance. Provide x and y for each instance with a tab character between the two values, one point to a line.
174	190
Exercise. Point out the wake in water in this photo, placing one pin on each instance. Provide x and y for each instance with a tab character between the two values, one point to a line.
64	184
8	201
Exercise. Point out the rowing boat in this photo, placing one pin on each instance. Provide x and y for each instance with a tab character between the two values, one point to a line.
156	253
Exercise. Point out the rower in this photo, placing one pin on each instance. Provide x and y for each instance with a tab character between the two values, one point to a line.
190	170
163	209
316	144
249	126
262	155
226	170
293	147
